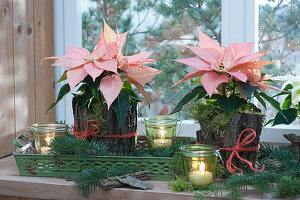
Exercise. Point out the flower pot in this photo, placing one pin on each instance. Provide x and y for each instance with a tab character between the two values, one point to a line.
108	126
228	138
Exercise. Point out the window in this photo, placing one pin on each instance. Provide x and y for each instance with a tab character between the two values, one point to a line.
279	26
166	29
162	26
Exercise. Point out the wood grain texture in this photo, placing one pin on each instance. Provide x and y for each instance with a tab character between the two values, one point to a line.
11	184
24	64
26	36
7	104
15	198
43	47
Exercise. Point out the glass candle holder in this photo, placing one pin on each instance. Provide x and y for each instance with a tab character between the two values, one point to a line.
200	164
43	133
160	130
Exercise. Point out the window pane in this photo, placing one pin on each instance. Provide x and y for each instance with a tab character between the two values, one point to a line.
279	31
163	26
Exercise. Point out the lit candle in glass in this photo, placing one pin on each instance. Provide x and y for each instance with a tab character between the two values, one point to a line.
162	141
198	177
47	139
44	132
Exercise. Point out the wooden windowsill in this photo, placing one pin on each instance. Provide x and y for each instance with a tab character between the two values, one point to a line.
14	185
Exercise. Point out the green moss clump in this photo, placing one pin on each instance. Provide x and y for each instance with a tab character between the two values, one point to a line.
213	114
180	185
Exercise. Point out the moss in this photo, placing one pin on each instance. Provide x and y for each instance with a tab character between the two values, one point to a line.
216	118
180	185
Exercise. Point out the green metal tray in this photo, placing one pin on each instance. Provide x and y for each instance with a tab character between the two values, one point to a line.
68	166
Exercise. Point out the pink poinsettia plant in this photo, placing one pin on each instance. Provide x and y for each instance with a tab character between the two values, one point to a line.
230	76
106	75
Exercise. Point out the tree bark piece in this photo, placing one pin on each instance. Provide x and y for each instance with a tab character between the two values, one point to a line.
228	138
295	144
109	126
112	182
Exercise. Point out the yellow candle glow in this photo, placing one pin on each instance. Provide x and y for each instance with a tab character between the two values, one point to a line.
162	141
45	149
198	176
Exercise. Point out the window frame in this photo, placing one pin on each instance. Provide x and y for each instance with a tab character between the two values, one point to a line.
239	24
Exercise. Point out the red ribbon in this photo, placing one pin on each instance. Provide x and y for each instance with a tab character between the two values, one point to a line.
238	148
93	130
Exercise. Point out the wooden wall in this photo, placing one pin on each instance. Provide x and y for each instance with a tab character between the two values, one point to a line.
26	87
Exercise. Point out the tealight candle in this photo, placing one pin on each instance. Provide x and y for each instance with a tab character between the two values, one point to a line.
200	177
45	149
162	141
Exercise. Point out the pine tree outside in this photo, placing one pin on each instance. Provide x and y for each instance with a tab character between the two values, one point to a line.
167	27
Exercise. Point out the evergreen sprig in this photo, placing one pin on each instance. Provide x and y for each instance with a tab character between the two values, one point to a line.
281	175
82	149
90	179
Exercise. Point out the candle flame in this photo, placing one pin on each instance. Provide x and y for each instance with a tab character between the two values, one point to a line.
48	139
199	166
202	166
162	133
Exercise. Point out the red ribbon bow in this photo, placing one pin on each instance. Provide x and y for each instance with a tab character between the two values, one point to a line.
238	148
91	130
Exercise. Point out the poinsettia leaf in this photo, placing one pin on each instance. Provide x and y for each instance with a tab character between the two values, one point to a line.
286	88
133	96
63	77
261	101
287	102
64	90
268	122
201	95
121	106
239	103
228	104
289	116
86	97
248	89
187	98
127	85
273	102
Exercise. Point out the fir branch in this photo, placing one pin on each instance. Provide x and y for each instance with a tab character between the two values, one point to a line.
82	149
282	174
90	179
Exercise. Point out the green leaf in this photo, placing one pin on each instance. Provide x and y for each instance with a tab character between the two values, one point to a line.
248	89
273	102
63	77
261	101
121	106
86	97
201	95
268	122
288	87
132	95
65	89
239	102
228	104
290	115
127	85
187	98
287	102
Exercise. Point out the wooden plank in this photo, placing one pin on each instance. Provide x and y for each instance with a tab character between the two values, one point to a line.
24	64
14	198
12	184
7	118
44	46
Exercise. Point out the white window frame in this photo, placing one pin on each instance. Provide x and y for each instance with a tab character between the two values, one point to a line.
239	24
